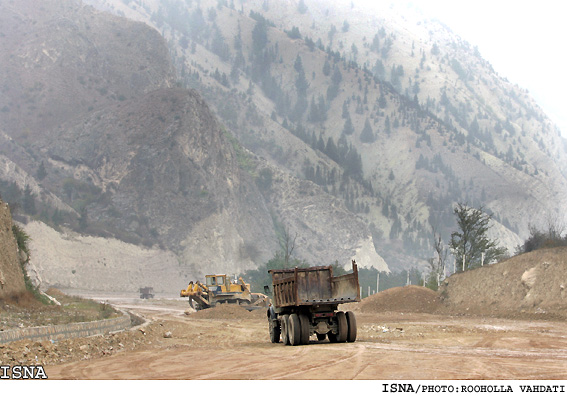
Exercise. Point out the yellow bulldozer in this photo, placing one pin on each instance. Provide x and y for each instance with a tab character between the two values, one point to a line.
220	289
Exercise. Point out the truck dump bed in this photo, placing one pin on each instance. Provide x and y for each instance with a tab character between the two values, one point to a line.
314	286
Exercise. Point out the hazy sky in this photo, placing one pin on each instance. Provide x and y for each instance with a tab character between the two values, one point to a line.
523	40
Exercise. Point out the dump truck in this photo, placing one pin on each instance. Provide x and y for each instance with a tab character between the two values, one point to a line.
146	292
305	302
220	289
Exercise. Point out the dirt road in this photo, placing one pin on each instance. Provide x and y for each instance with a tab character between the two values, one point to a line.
233	344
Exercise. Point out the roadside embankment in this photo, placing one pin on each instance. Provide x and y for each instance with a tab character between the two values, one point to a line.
64	331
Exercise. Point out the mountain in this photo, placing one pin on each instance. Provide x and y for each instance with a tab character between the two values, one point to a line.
432	121
214	128
109	146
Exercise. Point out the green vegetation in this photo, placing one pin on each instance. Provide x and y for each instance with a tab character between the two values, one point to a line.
471	246
22	239
258	278
244	160
264	179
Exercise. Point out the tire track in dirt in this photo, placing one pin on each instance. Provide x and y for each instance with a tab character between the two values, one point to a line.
250	366
239	348
346	354
475	350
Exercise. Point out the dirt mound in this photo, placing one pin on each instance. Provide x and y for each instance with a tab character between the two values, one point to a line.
11	275
54	292
402	299
534	283
23	299
223	311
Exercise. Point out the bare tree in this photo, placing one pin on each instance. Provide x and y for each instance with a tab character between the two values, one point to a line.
287	243
555	227
552	237
438	262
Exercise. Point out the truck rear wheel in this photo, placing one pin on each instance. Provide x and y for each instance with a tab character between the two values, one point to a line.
274	332
351	322
294	329
342	325
284	329
304	321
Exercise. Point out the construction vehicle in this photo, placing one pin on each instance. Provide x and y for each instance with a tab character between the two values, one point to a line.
146	292
220	289
305	302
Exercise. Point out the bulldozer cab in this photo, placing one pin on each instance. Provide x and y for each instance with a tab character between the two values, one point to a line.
216	283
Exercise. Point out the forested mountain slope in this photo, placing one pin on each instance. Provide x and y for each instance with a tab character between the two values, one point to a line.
97	138
386	110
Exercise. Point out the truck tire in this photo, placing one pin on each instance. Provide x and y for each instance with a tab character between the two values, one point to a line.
294	329
304	321
351	322
274	332
341	336
284	329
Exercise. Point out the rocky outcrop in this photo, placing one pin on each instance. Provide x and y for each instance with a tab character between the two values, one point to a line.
165	167
326	231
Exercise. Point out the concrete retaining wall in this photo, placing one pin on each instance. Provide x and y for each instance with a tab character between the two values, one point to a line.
61	332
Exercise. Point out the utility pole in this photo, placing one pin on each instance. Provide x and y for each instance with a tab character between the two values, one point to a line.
378	282
454	265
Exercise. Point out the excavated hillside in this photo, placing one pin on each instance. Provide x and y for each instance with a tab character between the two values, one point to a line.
415	299
531	285
11	275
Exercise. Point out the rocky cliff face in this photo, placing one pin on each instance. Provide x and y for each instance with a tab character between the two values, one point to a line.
11	275
166	173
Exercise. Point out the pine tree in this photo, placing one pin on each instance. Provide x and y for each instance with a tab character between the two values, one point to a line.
28	201
327	68
41	172
348	129
367	135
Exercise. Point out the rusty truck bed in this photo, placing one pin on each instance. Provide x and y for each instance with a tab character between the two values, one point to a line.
314	286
